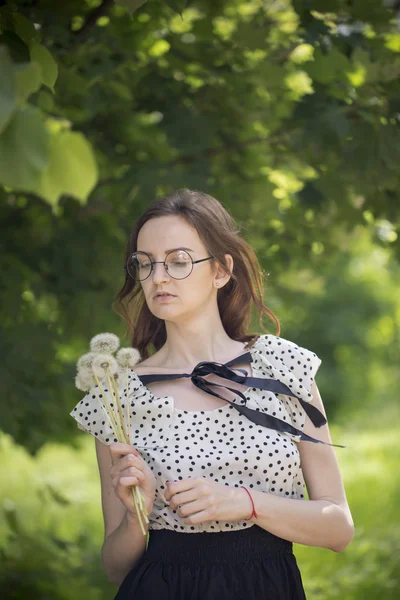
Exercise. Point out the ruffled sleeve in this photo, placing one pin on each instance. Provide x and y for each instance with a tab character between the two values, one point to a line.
295	367
90	417
150	417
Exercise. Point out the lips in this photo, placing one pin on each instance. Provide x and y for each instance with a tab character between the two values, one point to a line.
163	294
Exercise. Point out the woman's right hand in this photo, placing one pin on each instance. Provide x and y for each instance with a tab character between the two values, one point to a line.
128	470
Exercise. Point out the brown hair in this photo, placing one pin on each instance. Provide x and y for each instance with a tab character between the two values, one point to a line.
219	233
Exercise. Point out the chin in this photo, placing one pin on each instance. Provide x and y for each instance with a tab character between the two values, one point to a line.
161	310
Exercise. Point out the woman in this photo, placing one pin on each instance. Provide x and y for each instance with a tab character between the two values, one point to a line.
224	429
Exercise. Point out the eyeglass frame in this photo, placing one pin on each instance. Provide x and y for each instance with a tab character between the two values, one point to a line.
155	262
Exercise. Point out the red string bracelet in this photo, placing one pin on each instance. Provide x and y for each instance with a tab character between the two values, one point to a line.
254	510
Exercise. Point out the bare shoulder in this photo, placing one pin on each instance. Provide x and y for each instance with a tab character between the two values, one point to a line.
153	362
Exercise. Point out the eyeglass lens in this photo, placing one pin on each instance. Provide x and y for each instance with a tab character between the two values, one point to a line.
177	263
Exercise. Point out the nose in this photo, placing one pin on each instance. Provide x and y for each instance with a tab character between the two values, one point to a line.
159	273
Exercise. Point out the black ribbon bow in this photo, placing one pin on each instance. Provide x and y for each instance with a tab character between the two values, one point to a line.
259	418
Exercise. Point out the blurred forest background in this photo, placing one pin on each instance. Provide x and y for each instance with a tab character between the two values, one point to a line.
288	112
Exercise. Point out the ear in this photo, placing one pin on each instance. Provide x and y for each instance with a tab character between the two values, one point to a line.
220	276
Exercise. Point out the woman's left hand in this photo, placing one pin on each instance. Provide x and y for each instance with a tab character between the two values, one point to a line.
199	500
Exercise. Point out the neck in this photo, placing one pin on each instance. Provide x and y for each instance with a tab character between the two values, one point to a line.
186	347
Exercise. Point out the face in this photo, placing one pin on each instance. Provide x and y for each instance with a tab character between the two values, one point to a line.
189	295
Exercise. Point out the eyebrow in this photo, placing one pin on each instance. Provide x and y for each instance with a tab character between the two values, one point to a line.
170	250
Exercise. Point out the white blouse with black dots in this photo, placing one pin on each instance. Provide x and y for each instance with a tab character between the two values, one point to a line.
219	444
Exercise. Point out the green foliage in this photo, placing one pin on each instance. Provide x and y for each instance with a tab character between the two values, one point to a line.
287	113
33	146
131	5
7	90
349	313
51	529
24	149
71	168
48	67
369	567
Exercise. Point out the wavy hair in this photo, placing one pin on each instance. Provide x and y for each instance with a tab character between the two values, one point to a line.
220	235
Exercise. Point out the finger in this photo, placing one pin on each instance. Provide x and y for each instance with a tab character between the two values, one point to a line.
191	508
127	482
183	497
130	460
199	517
133	472
176	487
119	449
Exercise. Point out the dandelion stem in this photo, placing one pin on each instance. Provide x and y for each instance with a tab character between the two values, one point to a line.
116	421
112	385
138	508
111	412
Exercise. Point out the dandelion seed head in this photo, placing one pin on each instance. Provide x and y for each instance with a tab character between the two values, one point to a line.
128	357
105	343
86	374
85	361
81	383
103	365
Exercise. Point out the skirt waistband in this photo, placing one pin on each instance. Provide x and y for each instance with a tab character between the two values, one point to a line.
254	543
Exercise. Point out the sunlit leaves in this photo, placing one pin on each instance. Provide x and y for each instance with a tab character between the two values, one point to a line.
299	83
302	53
287	116
72	168
392	41
34	158
159	48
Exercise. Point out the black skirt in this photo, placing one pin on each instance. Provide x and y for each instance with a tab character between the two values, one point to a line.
249	564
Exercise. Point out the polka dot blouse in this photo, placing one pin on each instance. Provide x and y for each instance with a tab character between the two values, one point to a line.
219	444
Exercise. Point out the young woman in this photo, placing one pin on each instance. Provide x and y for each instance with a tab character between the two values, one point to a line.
224	424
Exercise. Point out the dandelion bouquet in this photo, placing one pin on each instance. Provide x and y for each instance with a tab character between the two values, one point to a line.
100	368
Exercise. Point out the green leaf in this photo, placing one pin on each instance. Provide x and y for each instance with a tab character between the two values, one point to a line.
131	5
24	28
72	168
45	60
328	67
19	51
45	100
8	96
28	78
24	150
177	5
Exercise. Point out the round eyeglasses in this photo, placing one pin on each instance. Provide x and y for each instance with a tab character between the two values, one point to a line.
178	264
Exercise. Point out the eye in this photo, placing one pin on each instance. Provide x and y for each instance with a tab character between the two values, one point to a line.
178	263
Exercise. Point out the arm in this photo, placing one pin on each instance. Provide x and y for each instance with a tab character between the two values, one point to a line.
124	543
325	519
122	549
